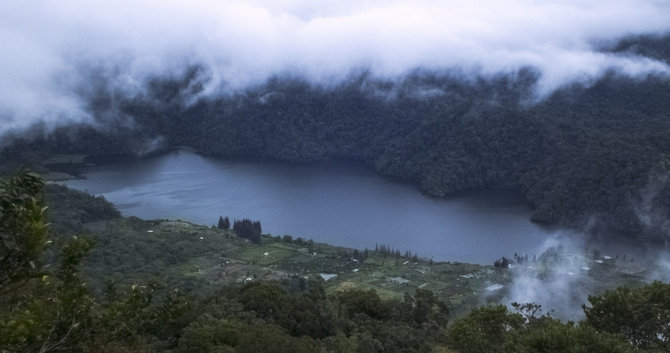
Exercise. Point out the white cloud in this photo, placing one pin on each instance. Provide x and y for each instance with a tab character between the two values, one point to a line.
243	42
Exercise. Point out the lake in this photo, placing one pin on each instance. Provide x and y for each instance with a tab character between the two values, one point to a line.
341	203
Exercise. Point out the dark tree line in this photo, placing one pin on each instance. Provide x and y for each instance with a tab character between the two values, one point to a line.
387	250
248	229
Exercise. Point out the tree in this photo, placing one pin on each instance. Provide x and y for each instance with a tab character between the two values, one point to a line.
501	263
427	307
640	315
484	330
551	335
358	301
44	314
248	230
224	223
23	229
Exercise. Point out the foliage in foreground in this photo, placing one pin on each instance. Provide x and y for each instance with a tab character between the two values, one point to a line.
50	308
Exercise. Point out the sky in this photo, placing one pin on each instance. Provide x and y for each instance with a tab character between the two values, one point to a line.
47	46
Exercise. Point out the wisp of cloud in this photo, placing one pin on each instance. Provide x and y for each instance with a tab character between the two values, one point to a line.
47	44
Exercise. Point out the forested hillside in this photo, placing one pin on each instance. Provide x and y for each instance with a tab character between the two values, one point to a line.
592	156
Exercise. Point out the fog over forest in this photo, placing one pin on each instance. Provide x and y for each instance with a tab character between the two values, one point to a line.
50	49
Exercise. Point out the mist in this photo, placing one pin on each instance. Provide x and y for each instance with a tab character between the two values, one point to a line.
569	267
48	46
558	281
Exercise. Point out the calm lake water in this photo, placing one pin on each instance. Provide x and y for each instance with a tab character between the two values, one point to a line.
339	203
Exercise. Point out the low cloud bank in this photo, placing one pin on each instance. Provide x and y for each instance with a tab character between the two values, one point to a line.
50	48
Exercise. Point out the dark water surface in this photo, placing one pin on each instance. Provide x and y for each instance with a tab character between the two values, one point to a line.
339	203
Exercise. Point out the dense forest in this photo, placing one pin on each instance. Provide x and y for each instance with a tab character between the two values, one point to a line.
46	305
591	156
